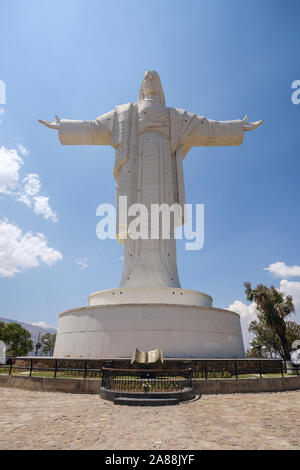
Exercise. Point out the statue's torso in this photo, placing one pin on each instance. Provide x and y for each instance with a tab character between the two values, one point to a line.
154	163
149	177
153	117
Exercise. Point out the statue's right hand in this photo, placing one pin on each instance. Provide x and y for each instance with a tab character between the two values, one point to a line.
50	124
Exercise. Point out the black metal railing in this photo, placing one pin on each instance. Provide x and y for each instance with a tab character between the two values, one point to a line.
146	380
242	368
176	378
32	367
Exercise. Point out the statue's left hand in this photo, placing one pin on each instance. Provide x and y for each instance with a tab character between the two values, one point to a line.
249	126
51	124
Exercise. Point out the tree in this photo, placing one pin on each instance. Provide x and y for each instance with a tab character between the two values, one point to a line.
259	349
267	341
2	325
17	339
292	332
48	342
273	310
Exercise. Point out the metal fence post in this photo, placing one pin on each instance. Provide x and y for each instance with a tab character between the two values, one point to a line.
10	369
103	378
85	369
205	370
31	365
260	371
236	369
55	370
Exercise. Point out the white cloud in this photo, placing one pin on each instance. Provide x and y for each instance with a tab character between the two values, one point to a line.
28	191
2	112
23	151
31	188
42	324
247	314
30	195
10	164
291	288
41	206
19	252
82	263
280	269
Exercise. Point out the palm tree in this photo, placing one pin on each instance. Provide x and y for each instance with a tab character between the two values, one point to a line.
274	308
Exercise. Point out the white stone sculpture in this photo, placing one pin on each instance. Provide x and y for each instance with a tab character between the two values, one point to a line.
150	142
295	356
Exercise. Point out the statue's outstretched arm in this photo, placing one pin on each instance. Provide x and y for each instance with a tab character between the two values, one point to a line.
94	132
200	131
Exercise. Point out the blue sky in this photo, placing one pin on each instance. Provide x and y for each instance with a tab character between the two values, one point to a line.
78	59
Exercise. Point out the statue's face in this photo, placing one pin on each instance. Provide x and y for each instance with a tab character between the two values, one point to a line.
151	83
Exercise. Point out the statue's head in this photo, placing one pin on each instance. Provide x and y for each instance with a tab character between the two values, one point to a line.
151	85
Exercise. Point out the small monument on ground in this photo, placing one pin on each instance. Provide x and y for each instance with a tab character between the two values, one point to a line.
147	357
149	308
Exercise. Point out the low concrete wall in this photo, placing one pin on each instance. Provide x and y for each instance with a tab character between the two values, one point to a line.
49	384
201	387
280	384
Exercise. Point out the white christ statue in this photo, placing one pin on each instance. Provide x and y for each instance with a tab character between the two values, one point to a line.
150	141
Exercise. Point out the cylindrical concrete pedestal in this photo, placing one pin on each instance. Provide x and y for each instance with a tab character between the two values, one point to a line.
185	327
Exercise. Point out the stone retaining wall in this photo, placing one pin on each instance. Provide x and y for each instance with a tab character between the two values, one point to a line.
45	384
279	384
49	384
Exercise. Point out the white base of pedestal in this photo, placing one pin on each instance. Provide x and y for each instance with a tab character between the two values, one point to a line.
150	295
115	330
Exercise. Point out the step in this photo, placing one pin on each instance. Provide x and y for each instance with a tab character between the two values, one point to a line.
145	401
182	395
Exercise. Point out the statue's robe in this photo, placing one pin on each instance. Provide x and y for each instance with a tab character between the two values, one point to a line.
151	142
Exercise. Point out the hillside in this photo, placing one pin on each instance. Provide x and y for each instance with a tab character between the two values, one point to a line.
33	329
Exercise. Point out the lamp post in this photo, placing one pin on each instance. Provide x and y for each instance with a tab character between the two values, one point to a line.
38	345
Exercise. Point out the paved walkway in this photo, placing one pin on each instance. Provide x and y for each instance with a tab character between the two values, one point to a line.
38	420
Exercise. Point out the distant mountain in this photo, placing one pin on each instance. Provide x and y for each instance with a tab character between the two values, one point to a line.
34	330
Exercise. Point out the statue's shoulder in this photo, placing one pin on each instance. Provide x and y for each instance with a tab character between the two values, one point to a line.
176	115
178	112
182	116
124	108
